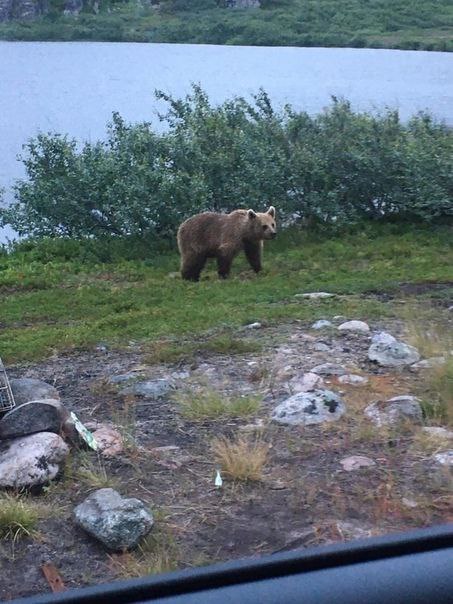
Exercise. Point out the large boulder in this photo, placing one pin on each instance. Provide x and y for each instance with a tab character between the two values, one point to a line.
47	415
307	408
399	409
30	389
388	353
120	523
31	460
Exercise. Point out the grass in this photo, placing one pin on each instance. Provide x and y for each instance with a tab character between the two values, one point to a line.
241	459
209	404
420	24
51	304
165	352
435	339
93	474
18	517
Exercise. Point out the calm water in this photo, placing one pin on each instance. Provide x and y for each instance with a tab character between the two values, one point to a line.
74	87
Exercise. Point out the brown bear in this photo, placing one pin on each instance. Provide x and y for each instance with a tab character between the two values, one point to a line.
223	236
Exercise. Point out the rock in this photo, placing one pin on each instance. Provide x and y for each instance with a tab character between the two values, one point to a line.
445	458
321	347
354	380
307	408
437	433
409	503
47	415
349	530
123	378
354	462
109	440
315	295
329	369
450	308
355	326
118	522
428	363
392	354
258	426
29	389
395	410
31	460
382	337
309	381
150	388
322	324
253	326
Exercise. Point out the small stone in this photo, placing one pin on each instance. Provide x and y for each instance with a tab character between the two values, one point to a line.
109	440
438	433
29	389
409	503
315	295
398	409
307	408
349	530
428	363
31	460
309	381
322	324
354	462
258	426
150	388
329	369
354	380
355	326
445	458
119	523
123	378
450	308
253	326
321	347
47	415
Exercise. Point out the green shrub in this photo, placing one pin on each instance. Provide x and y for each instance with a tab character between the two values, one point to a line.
337	167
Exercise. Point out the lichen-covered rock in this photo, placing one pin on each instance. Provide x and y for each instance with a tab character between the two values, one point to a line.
31	460
392	353
307	408
118	522
149	388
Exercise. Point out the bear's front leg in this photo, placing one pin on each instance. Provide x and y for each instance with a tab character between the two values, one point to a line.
253	254
224	262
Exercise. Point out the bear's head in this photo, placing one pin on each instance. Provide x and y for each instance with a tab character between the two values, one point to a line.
262	224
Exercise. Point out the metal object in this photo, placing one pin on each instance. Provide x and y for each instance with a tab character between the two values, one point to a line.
7	401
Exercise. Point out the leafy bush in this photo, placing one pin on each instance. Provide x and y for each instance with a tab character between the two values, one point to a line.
337	167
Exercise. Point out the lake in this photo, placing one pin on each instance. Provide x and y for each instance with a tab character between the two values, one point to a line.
74	87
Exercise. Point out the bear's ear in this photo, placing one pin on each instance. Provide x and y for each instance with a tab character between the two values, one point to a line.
271	211
251	214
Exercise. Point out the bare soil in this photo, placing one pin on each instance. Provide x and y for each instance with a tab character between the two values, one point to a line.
305	497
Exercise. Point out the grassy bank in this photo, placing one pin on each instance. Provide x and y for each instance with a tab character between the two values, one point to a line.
55	297
419	24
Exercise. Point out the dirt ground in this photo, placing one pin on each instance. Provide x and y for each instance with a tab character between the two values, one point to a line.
305	498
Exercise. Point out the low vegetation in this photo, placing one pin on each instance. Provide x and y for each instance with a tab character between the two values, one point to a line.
199	405
18	517
420	24
55	299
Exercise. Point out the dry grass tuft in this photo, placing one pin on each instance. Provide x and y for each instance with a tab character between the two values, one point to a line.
241	459
93	474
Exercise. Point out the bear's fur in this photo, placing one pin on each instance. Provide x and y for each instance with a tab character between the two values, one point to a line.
223	236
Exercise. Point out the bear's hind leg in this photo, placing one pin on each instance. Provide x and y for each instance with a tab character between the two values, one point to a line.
190	271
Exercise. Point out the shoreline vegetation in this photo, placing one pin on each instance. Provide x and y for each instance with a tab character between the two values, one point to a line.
418	25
